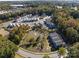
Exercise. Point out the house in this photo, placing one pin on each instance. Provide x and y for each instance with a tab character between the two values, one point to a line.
59	7
50	25
27	18
74	8
55	40
17	5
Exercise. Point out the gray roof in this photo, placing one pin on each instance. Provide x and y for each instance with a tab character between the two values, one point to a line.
50	23
56	38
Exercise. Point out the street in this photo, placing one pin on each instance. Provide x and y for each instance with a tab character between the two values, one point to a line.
26	54
5	24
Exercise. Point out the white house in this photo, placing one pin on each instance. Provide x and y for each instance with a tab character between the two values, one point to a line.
59	7
74	8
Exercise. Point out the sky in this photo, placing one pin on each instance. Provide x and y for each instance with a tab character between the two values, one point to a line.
38	0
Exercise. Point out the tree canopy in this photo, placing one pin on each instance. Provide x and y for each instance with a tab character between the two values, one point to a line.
7	48
74	51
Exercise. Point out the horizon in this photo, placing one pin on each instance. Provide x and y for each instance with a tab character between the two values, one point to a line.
42	0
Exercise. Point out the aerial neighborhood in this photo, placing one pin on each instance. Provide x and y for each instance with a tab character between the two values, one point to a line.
39	29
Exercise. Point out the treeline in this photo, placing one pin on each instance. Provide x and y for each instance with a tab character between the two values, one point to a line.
5	6
75	14
74	51
10	15
67	25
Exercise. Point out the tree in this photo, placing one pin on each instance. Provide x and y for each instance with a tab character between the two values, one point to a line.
77	28
62	25
5	6
17	34
7	48
62	51
75	14
72	35
71	23
74	51
16	39
45	45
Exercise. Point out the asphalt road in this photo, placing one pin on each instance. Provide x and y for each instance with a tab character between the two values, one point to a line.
27	54
5	24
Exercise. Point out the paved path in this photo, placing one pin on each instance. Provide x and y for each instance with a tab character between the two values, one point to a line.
27	54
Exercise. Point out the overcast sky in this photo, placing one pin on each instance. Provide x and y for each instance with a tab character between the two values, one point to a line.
38	0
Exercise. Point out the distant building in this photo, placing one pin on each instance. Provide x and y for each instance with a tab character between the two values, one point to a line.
27	18
50	25
4	12
55	40
59	7
74	8
30	20
17	5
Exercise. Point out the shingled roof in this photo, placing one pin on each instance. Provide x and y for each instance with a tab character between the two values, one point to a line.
55	39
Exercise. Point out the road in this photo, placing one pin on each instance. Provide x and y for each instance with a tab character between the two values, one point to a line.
5	24
26	54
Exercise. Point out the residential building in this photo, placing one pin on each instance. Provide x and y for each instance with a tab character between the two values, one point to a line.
55	40
50	25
